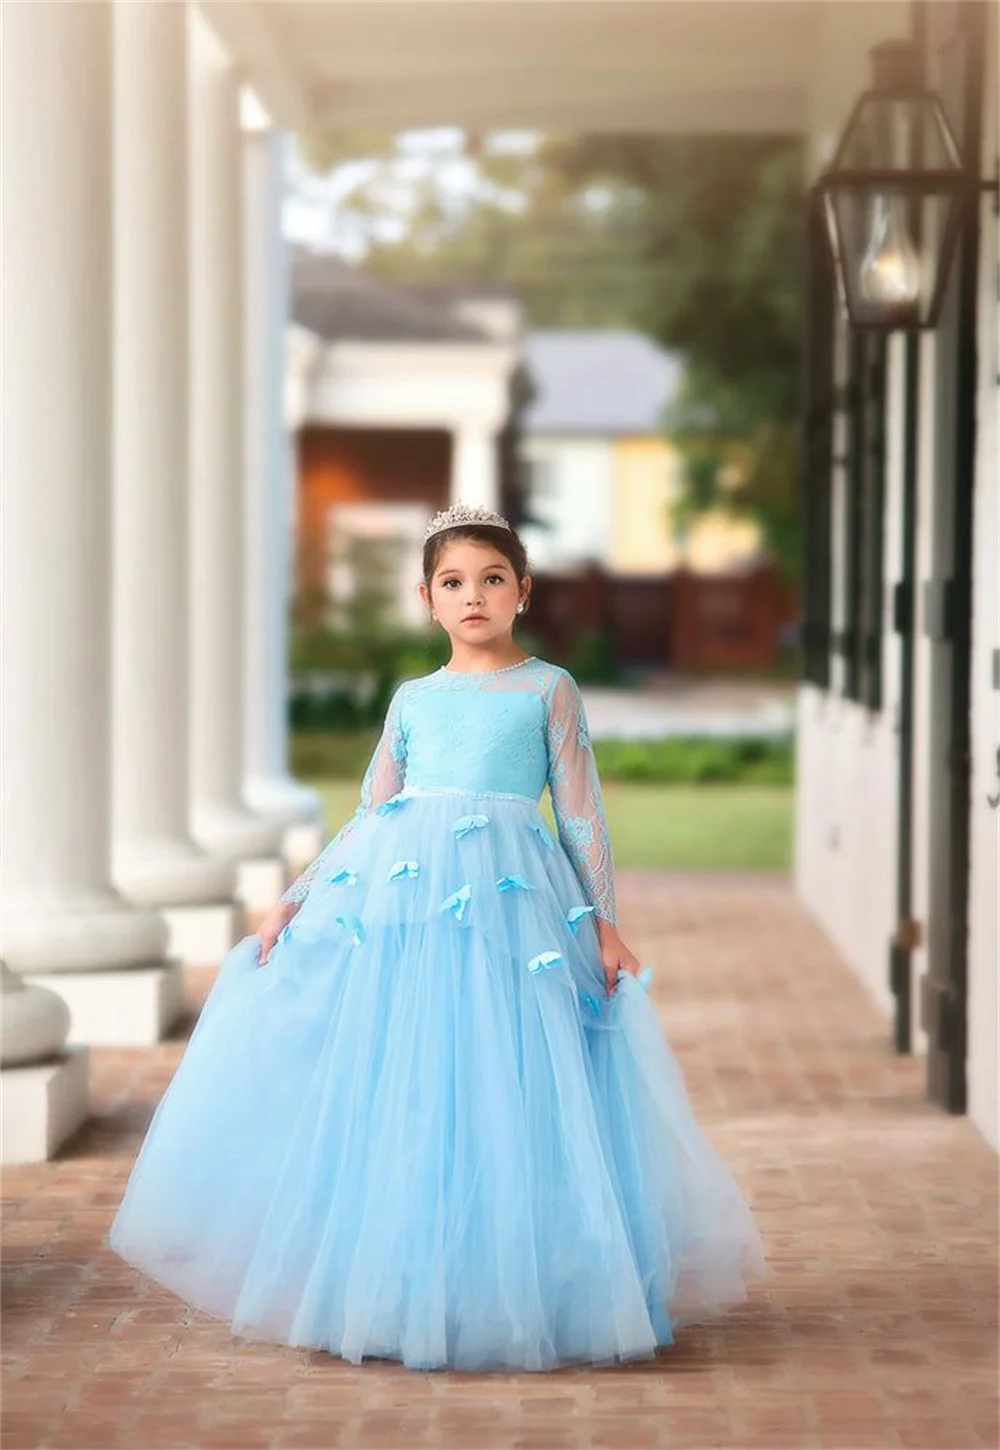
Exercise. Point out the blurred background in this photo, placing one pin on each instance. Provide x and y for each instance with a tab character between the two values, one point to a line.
637	346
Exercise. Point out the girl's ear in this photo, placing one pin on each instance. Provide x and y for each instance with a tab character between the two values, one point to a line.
425	595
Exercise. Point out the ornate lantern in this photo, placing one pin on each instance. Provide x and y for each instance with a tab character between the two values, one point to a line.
894	197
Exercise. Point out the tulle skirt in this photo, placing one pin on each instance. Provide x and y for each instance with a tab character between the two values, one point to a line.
423	1130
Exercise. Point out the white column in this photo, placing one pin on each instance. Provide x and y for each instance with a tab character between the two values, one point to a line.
220	819
155	860
269	483
475	466
60	912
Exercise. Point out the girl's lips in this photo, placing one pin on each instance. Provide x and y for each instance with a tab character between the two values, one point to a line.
474	619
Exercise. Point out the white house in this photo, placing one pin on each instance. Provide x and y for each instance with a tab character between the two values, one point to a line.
602	473
399	398
596	418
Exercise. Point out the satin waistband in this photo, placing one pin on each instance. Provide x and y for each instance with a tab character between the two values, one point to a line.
449	790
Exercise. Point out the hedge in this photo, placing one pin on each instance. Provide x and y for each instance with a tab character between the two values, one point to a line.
693	760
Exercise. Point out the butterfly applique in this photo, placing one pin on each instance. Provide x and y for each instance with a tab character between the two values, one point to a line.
457	902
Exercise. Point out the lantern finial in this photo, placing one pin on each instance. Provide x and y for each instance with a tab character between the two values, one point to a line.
895	68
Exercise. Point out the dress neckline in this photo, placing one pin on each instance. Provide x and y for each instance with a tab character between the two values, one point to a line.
479	674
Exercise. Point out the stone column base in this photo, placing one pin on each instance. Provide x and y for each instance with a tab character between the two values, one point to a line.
302	843
42	1105
200	936
133	1007
260	882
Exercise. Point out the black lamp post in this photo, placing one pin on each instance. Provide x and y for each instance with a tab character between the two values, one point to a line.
893	197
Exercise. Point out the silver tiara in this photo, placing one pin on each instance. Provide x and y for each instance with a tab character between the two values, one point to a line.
463	513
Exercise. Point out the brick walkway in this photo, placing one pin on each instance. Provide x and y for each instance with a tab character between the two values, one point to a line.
877	1327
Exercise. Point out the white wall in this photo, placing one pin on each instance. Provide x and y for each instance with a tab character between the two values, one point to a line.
846	801
571	490
984	936
845	831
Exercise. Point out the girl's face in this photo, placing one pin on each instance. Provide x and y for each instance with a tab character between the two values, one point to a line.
474	592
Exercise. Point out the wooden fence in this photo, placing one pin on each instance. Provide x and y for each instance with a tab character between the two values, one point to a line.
680	621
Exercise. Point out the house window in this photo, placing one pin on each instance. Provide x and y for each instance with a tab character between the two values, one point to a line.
864	520
817	464
873	520
850	563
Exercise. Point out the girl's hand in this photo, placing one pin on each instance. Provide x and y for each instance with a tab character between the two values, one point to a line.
273	925
615	956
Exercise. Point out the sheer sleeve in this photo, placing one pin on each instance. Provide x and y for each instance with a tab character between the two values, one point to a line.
384	777
576	797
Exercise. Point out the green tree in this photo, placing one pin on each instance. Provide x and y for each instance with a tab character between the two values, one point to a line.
723	274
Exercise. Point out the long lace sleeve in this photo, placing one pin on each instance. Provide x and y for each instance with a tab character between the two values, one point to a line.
383	778
576	797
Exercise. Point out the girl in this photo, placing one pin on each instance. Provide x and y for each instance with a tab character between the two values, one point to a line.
427	1114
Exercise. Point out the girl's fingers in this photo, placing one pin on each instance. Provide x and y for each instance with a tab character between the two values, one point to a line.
613	972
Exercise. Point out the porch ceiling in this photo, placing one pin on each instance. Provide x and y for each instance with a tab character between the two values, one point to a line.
677	65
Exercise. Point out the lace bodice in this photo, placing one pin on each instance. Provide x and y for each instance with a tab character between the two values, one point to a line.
512	731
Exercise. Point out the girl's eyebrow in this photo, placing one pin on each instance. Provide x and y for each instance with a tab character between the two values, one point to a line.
487	569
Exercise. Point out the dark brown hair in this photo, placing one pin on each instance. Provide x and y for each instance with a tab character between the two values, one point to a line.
505	541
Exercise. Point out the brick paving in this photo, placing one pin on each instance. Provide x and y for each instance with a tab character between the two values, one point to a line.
877	1326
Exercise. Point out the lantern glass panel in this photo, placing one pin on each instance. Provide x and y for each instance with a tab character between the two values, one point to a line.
892	248
898	133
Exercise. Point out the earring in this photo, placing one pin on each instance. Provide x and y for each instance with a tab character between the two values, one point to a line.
433	617
520	609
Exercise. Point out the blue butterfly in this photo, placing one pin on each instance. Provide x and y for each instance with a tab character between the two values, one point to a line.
575	916
543	833
404	868
353	925
392	804
346	876
514	883
457	901
465	824
544	961
592	1004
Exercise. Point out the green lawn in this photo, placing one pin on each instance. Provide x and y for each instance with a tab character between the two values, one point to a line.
673	827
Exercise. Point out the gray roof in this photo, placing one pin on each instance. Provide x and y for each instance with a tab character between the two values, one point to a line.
598	382
340	303
452	292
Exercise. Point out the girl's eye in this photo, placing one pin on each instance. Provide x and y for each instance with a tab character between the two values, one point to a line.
495	579
448	582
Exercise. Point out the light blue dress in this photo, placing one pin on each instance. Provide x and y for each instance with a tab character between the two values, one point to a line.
423	1130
